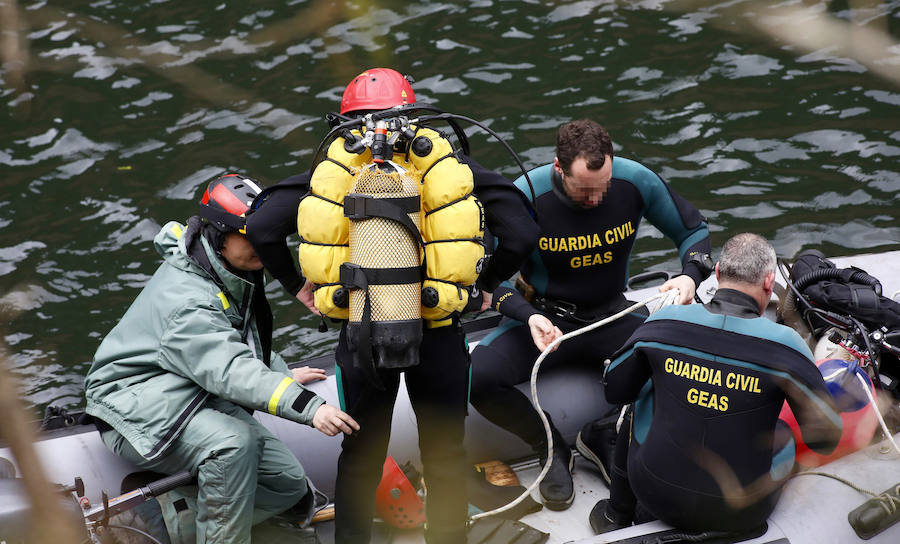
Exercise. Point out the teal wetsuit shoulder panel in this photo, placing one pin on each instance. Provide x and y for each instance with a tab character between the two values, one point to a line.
540	180
661	205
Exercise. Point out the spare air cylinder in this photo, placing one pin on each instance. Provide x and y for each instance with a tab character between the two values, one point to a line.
384	272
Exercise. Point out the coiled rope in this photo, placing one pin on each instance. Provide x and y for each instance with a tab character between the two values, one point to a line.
653	304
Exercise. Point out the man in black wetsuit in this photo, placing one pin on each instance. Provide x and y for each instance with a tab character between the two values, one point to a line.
268	230
589	206
707	450
438	385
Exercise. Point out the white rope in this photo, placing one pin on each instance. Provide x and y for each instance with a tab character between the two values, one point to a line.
663	299
884	426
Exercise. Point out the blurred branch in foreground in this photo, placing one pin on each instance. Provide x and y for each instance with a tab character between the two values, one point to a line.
811	28
49	524
13	49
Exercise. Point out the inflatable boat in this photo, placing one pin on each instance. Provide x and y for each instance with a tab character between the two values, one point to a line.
813	509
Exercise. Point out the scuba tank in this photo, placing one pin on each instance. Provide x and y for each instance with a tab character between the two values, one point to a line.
383	273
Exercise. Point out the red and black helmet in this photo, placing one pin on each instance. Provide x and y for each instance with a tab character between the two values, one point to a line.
377	89
227	200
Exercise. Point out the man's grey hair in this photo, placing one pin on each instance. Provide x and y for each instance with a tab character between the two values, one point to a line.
747	258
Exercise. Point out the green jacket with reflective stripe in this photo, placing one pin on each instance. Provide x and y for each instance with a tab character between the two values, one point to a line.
183	339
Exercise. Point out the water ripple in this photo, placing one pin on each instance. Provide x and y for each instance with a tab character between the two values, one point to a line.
128	109
840	142
9	256
830	201
72	142
736	66
858	234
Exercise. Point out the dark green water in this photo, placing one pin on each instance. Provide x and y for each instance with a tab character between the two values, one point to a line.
127	109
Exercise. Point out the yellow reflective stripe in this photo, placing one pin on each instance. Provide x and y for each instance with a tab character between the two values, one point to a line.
224	300
177	230
276	396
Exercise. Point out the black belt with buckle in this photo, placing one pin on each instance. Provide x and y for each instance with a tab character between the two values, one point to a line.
571	312
561	308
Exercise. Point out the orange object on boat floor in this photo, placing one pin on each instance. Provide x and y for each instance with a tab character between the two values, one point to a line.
857	413
396	500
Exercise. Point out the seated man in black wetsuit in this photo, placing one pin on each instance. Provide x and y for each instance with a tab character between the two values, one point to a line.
707	451
589	206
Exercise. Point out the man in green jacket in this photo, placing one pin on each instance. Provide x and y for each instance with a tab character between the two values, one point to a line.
174	383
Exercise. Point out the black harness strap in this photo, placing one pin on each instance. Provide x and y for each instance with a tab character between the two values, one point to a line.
359	207
354	276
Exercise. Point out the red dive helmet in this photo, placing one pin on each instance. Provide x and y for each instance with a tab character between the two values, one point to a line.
226	201
377	89
396	500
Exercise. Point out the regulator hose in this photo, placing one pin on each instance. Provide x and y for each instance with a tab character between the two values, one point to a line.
857	276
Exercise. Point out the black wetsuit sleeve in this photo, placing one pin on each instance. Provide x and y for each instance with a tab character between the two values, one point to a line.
626	375
271	223
510	219
693	269
510	302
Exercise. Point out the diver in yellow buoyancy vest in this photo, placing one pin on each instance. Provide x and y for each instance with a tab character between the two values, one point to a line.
389	180
391	241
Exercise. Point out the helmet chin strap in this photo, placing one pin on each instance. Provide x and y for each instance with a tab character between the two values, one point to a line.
224	219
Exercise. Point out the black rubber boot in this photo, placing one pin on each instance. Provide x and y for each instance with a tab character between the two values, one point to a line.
557	488
596	442
604	518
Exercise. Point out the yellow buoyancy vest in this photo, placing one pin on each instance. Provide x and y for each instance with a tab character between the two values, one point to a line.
451	223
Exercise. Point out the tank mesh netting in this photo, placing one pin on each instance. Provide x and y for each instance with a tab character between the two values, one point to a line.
382	243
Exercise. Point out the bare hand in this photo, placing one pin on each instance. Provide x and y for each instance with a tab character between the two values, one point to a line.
685	285
331	421
543	331
486	299
306	296
306	374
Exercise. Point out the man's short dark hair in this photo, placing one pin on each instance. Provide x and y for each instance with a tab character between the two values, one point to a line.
582	138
